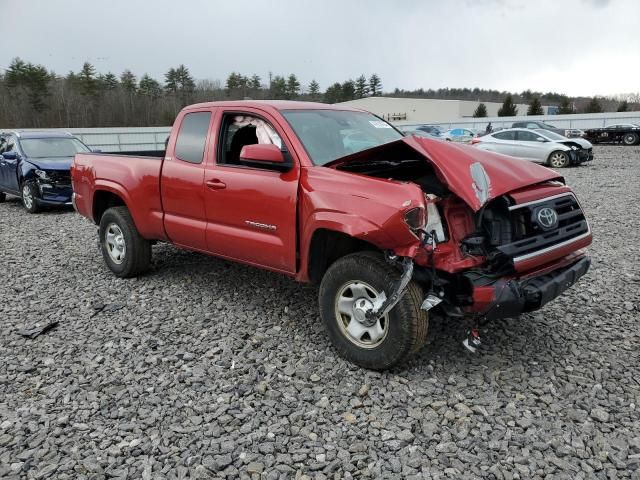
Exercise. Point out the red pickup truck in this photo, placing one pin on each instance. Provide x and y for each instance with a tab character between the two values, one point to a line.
392	228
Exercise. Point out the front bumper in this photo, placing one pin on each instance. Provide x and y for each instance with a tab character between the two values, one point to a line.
54	194
580	156
511	297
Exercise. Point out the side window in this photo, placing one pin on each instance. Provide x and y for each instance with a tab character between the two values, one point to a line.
505	135
239	130
532	125
11	144
192	137
528	136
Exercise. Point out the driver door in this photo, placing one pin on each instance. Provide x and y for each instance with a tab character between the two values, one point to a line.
251	210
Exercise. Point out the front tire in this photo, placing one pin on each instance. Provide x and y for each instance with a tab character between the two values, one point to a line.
558	159
349	288
124	250
29	197
630	138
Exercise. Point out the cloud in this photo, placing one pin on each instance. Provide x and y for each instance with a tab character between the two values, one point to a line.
507	45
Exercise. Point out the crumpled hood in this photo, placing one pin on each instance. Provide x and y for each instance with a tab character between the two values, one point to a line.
476	176
53	163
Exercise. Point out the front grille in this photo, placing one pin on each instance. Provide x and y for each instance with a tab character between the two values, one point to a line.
529	238
59	177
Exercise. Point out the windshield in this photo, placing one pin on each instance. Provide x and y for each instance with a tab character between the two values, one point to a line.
52	147
549	134
331	134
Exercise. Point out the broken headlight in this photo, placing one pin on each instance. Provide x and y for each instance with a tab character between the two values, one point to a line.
415	218
41	174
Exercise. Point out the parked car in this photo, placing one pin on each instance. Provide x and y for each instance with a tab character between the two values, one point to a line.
625	133
540	146
35	167
463	135
390	233
435	134
433	130
535	125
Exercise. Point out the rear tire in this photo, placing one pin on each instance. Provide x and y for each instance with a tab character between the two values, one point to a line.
30	197
630	138
350	284
558	159
124	250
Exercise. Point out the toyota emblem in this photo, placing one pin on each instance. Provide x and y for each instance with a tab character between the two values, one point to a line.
547	218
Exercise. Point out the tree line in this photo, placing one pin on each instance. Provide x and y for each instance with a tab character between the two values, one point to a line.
31	96
566	106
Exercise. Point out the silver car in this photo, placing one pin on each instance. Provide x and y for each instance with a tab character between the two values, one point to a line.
540	146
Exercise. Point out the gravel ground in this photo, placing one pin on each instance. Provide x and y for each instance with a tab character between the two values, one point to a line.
205	368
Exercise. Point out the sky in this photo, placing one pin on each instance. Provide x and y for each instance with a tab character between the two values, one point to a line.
575	47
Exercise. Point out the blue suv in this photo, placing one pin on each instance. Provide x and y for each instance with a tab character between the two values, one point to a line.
35	166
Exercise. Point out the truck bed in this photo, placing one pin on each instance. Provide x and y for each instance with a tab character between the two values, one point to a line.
134	178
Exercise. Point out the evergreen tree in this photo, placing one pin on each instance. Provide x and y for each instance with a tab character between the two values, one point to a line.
566	107
87	80
348	91
185	80
293	86
593	106
128	81
278	87
32	80
149	87
255	83
535	107
171	81
333	93
480	111
508	108
375	85
314	89
362	88
623	107
110	81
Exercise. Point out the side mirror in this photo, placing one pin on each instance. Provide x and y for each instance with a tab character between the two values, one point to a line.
261	153
10	155
264	155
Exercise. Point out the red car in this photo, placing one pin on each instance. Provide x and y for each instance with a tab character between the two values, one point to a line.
392	228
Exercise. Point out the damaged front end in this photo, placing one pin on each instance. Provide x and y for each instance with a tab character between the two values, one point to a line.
494	237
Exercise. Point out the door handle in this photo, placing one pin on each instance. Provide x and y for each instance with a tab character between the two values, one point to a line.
216	184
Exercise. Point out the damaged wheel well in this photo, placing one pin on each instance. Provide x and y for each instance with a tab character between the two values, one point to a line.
327	246
104	200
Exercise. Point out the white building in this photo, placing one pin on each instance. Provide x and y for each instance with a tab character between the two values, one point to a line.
426	110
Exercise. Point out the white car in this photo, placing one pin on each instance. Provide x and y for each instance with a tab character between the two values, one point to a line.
540	146
464	135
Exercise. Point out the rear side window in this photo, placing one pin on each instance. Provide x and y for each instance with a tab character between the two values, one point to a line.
505	135
192	137
529	137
